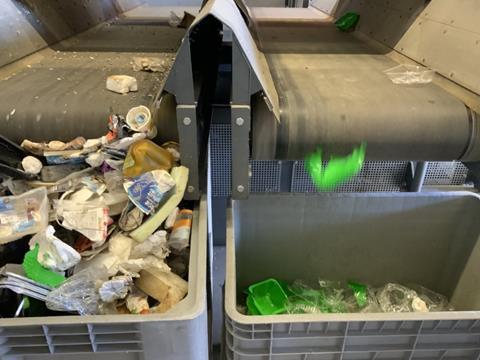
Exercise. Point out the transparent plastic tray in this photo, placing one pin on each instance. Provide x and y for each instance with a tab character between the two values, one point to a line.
408	74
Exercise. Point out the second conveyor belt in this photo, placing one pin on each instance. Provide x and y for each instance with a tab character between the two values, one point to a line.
333	93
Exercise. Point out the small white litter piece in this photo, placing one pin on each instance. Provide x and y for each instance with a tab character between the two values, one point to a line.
408	74
122	84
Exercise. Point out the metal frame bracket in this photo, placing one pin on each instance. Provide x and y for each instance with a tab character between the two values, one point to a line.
240	121
188	135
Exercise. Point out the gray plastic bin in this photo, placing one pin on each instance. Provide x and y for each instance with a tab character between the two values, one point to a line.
427	238
179	334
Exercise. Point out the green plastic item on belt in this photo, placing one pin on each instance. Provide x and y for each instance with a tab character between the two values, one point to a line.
337	170
347	21
35	271
266	298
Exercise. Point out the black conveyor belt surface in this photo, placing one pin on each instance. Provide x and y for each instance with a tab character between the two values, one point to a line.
334	93
62	93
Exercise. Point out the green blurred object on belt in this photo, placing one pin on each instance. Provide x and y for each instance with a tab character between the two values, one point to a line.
347	21
337	170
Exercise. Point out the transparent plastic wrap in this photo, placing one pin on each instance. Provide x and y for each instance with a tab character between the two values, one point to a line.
53	253
23	215
414	298
408	74
351	297
329	298
434	301
79	293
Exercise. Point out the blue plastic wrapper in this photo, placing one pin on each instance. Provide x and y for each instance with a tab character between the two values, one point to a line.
147	190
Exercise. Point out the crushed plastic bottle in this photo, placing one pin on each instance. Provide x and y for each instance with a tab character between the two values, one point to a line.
276	297
396	298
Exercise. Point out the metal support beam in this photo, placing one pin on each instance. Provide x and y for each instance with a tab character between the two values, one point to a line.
416	176
244	84
240	151
188	135
474	173
180	80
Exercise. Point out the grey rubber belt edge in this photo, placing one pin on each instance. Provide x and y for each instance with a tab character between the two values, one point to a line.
334	94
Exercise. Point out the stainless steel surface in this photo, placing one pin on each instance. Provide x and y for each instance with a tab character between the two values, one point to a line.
334	94
27	26
441	34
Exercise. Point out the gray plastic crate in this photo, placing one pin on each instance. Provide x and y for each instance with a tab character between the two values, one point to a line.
179	334
426	238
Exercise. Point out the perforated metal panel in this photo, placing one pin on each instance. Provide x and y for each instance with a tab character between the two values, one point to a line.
265	175
446	173
374	176
220	159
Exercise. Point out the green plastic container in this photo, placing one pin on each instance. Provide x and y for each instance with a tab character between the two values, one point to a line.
267	298
347	21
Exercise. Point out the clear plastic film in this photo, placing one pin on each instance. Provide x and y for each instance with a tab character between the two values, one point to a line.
23	215
79	293
354	297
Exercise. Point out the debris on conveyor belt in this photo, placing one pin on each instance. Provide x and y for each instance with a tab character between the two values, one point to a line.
271	296
348	21
122	84
91	213
153	64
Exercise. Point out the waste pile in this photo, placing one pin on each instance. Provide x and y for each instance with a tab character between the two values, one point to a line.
94	226
271	297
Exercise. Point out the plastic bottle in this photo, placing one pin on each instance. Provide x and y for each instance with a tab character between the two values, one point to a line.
144	156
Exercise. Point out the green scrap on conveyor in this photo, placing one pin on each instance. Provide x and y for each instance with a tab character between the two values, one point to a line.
338	169
348	21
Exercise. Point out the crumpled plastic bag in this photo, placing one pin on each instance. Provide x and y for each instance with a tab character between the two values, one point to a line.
415	298
116	288
90	218
79	293
396	298
53	253
328	298
434	301
155	245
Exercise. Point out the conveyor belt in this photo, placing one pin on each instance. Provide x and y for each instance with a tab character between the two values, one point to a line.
61	93
333	93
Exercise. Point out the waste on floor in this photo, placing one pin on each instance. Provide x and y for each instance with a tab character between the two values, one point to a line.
271	297
94	226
